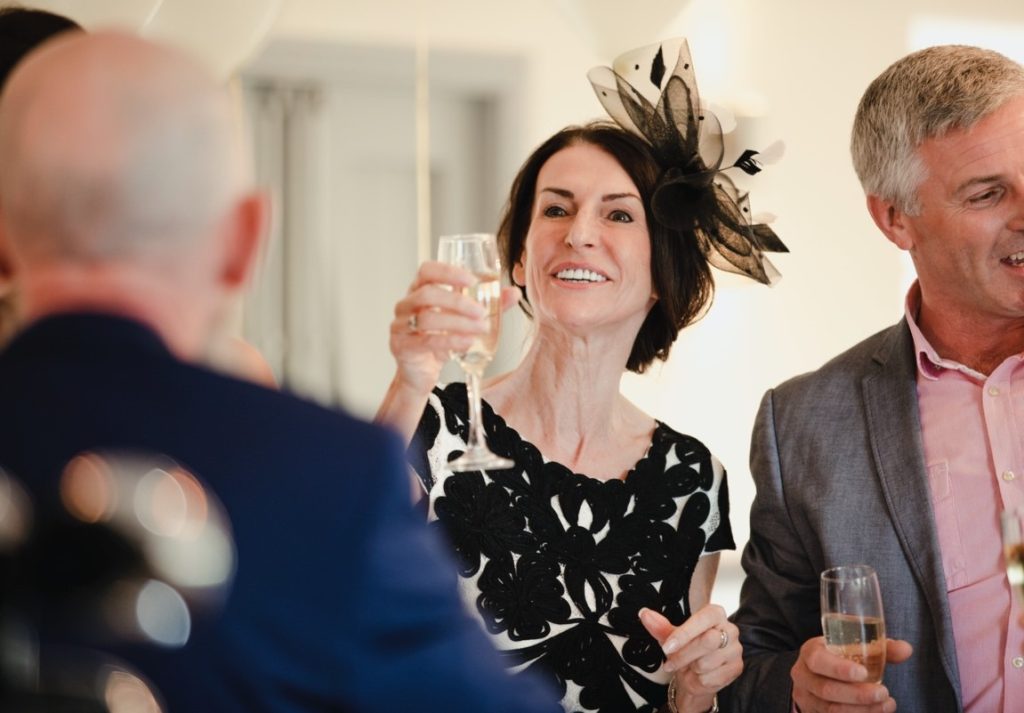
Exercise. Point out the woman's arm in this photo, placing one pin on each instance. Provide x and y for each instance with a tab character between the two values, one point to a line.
703	580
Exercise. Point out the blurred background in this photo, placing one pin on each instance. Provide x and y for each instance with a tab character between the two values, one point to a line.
381	124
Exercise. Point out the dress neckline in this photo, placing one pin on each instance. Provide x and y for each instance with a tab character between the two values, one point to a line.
455	394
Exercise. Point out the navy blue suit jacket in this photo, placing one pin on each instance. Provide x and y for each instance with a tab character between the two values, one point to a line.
342	601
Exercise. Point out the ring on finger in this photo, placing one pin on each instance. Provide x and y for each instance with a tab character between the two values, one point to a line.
725	638
413	322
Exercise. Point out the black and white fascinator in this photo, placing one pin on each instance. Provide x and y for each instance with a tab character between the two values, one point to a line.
693	195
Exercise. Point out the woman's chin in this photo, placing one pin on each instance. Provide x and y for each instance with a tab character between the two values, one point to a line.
581	323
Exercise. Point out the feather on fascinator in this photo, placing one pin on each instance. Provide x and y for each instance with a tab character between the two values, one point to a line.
693	194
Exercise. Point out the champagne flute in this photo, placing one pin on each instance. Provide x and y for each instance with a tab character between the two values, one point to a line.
1013	549
852	618
478	253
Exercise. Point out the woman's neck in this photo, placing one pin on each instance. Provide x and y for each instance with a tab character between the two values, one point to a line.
564	397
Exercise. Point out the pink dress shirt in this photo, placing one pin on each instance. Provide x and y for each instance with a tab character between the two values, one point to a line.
973	431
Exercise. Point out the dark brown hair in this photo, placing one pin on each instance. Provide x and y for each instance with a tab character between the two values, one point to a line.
22	30
680	274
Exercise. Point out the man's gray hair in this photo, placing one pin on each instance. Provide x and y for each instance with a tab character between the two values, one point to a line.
919	97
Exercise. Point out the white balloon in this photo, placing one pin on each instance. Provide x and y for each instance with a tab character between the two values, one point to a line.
611	26
127	14
220	33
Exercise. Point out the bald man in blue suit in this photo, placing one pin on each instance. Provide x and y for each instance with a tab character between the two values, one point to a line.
128	221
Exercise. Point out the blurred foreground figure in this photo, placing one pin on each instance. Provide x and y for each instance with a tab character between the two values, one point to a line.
22	29
127	216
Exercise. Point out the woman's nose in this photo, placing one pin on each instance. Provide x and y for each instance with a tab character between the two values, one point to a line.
583	233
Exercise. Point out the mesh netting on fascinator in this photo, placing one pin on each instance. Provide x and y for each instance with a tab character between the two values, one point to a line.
693	194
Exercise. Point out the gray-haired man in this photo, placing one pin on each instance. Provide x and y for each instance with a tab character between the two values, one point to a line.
901	452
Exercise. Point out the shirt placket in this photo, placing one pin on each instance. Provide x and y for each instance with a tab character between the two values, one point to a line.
1004	415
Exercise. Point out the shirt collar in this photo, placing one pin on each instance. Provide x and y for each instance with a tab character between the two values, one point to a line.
929	364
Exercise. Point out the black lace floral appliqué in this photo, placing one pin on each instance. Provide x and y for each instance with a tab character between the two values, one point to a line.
561	564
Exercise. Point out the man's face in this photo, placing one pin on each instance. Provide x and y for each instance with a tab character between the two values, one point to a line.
968	240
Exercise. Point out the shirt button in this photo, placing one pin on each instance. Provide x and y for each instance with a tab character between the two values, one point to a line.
993	391
1018	662
1008	475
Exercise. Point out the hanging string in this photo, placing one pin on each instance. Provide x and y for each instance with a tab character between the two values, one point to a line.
422	117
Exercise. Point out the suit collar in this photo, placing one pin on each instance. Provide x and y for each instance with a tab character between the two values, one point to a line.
894	425
78	333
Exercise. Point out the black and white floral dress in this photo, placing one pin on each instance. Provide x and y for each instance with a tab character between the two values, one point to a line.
558	564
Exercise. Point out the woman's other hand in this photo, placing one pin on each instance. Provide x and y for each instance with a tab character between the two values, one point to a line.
703	653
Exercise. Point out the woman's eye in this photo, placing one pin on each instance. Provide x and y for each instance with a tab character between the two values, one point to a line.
554	211
620	216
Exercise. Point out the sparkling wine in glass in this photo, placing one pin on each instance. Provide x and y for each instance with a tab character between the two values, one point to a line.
1013	549
478	253
852	619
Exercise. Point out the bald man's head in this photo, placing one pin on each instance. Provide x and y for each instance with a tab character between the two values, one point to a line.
112	147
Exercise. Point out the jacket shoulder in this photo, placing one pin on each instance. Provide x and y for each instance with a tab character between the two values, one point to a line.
846	370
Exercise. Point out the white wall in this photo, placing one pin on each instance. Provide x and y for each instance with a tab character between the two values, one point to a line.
807	62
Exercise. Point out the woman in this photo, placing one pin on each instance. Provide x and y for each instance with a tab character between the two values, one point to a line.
592	560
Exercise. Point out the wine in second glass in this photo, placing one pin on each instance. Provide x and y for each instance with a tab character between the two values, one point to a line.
852	619
1013	548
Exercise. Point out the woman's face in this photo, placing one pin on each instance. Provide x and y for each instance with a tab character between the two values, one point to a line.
586	261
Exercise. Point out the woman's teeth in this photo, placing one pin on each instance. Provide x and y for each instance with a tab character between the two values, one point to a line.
581	275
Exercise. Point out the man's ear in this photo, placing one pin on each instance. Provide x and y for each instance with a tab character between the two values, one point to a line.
892	221
6	262
245	231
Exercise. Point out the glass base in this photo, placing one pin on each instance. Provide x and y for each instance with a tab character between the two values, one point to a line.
480	459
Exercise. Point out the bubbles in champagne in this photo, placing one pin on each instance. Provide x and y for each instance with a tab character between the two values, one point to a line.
486	291
858	638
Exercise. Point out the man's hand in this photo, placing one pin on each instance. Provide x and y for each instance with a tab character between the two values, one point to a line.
821	680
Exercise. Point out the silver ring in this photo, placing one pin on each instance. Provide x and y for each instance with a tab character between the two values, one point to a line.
725	638
414	322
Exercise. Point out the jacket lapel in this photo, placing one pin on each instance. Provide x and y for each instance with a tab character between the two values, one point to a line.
890	398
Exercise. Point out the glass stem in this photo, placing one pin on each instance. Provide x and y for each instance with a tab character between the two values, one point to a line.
476	422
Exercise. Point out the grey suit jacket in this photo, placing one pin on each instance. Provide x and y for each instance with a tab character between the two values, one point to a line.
839	467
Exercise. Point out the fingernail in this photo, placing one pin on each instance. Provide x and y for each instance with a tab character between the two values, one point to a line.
859	673
671	646
881	694
669	667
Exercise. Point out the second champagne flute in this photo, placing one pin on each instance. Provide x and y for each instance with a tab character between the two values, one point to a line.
852	618
478	253
1013	549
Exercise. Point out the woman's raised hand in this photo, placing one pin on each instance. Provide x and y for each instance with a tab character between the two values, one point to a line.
433	320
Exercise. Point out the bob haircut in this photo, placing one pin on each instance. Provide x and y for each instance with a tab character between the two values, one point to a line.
680	273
